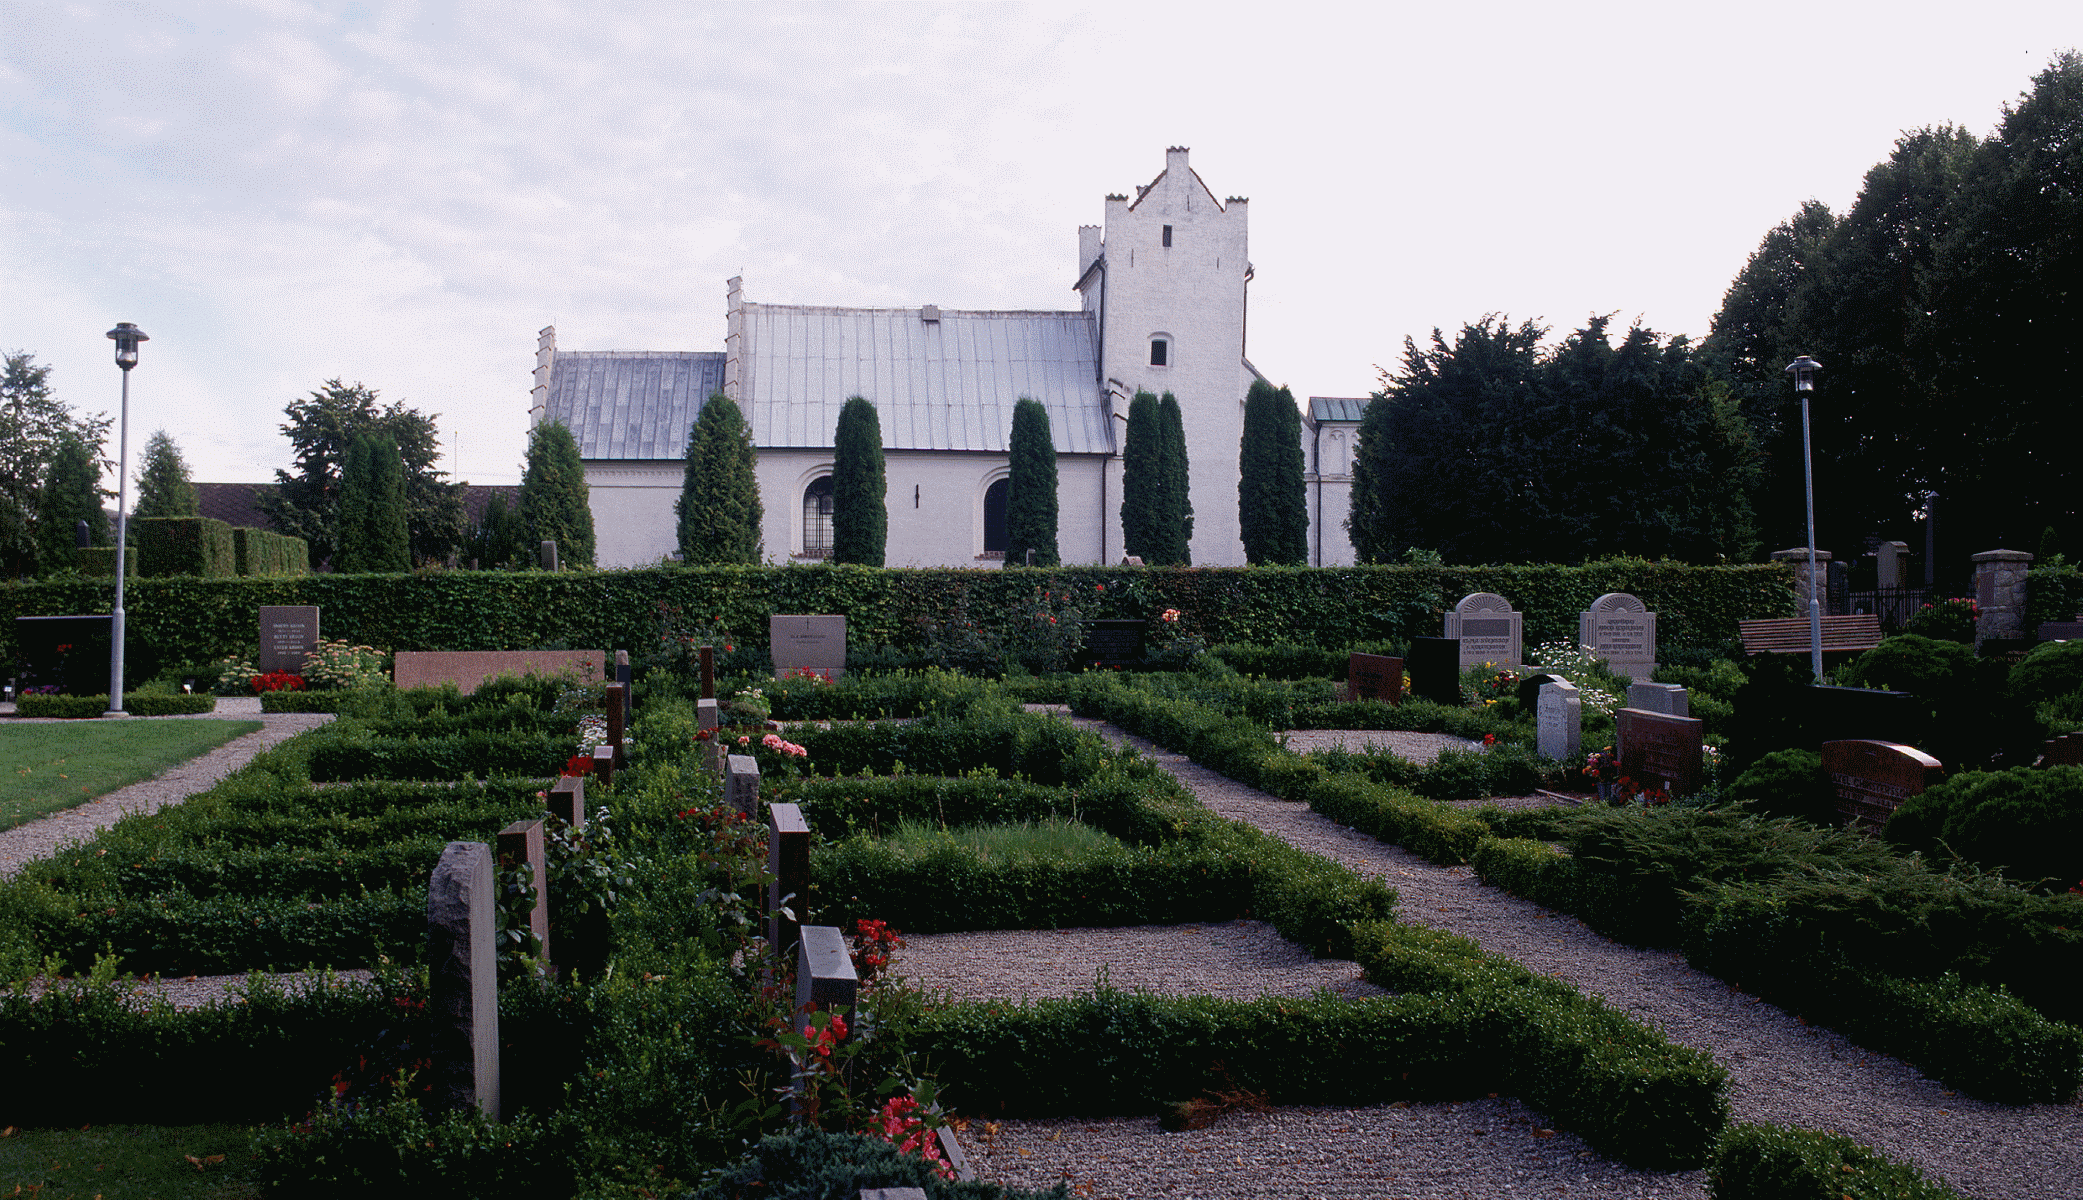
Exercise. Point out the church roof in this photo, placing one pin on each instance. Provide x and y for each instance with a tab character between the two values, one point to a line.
632	404
940	380
1337	408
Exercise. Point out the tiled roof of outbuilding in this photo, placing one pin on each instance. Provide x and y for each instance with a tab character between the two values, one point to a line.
632	404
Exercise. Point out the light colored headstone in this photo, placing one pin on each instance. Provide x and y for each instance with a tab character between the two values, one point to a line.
1889	565
1133	560
824	973
1874	778
521	842
1666	698
463	980
604	764
288	633
1559	721
1620	629
1656	748
893	1193
741	783
1489	631
808	645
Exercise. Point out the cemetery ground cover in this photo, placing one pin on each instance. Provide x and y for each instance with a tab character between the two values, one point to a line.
45	768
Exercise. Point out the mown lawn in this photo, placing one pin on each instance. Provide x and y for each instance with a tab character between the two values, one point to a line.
128	1162
49	768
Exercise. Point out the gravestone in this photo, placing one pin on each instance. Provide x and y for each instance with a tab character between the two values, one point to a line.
741	784
463	980
708	659
1666	698
2061	631
470	669
1114	642
2064	751
617	713
1873	777
288	633
807	645
1620	629
68	653
627	678
1656	748
1132	560
604	764
1559	721
824	974
1529	690
567	799
1434	665
1374	677
893	1193
521	842
1891	566
788	861
1488	629
547	555
1831	714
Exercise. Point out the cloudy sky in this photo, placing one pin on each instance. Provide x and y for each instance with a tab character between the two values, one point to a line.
401	194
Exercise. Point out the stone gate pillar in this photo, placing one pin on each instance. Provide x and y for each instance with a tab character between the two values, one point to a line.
2000	593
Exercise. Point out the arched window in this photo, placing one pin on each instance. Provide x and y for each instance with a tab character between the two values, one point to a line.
817	518
994	518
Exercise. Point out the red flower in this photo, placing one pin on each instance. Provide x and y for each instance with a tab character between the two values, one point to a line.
579	764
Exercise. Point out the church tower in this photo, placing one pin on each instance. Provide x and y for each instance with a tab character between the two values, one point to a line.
1165	281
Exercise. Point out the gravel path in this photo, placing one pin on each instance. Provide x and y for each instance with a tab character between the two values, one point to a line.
1781	1070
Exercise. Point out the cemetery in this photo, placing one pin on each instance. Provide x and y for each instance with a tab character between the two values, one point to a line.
617	906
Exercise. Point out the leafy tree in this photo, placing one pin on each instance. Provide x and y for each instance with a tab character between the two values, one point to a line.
71	494
554	499
163	489
500	538
1142	479
306	503
372	532
1368	522
1030	514
1175	529
33	425
860	522
1272	509
719	506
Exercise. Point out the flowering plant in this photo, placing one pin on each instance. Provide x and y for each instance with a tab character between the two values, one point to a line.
873	944
903	1123
278	681
578	764
1948	620
339	664
1602	766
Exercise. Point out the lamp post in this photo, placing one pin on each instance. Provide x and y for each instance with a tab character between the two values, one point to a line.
1803	370
126	336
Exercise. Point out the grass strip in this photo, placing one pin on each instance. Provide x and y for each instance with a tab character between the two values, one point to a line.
130	1162
51	768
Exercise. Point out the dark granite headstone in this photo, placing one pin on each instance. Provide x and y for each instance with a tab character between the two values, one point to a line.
567	799
463	981
1658	748
68	653
1374	677
708	672
627	678
2064	751
521	842
1873	778
824	973
547	555
288	634
1529	691
741	784
618	713
1114	642
1831	714
788	861
1434	666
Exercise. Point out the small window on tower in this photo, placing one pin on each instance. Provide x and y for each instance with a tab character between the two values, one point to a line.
1167	235
1159	349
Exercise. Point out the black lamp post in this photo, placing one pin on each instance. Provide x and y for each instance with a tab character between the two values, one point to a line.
1803	370
126	336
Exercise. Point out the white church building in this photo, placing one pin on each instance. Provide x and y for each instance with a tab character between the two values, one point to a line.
1164	287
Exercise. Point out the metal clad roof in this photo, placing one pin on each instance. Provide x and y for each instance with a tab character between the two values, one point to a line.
945	385
631	404
1337	408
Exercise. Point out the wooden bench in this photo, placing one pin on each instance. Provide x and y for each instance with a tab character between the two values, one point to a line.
1790	635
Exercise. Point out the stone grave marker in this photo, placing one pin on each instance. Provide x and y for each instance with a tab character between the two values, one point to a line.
1656	747
1132	560
708	659
1831	714
1434	665
1529	690
469	669
547	555
708	714
627	678
894	1193
741	783
1488	629
69	653
807	645
1873	777
824	973
1559	721
463	980
2064	751
521	842
1666	698
567	799
1114	642
288	633
1620	629
1374	677
2061	631
604	764
617	714
788	861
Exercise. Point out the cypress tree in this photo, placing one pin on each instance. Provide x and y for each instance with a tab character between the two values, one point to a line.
1367	526
71	494
497	540
1142	483
1030	515
1176	516
1272	510
373	533
860	522
163	489
554	504
719	506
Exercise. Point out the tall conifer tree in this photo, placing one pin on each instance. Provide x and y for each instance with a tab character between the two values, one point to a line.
1030	514
1176	526
1272	511
71	494
163	489
373	534
719	508
1142	479
860	521
554	502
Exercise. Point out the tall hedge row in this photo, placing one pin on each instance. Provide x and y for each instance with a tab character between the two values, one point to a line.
192	619
265	552
184	546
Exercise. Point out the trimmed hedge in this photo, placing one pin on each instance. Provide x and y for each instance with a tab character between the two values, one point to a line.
265	552
200	546
137	704
1774	1162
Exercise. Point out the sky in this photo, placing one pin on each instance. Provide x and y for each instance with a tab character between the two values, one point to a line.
402	194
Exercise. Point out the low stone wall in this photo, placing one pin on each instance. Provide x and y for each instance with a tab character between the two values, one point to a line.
467	669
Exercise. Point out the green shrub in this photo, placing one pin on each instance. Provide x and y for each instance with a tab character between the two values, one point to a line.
806	1163
1775	1162
184	546
2027	821
2052	670
1524	867
1788	783
1927	667
137	704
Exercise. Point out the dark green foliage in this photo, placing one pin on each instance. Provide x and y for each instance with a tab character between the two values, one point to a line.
1775	1162
807	1163
1977	723
163	489
1272	511
1175	505
1142	480
1372	524
306	503
2027	821
33	425
860	520
184	546
719	510
137	704
554	504
1788	783
71	493
1030	513
1490	450
2052	670
372	533
500	540
260	552
1928	667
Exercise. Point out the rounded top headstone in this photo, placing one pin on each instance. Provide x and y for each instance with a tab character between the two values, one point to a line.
1618	602
1476	602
